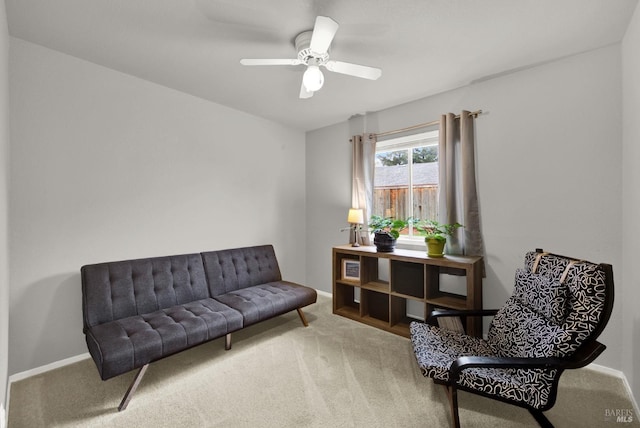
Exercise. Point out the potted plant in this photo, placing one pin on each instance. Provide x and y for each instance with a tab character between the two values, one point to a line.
386	230
435	235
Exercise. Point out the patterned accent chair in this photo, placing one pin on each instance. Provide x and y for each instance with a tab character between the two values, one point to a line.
558	309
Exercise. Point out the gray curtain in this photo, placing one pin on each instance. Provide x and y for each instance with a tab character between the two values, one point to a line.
364	151
458	199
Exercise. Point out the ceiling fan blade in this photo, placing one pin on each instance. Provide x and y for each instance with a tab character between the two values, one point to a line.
323	32
363	71
304	93
252	61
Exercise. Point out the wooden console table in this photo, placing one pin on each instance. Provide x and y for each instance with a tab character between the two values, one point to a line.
412	276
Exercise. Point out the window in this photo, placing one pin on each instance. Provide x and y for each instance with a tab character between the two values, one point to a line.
406	178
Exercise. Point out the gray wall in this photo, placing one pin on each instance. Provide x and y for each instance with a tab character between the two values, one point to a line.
630	295
549	154
328	170
4	187
105	166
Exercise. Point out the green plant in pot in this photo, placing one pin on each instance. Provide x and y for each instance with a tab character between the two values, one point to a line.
386	230
435	235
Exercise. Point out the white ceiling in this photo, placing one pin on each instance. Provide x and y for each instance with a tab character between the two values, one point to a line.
422	46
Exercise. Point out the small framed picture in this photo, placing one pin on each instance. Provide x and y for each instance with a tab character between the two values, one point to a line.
351	270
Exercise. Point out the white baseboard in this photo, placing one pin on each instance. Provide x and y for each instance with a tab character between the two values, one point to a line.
48	367
324	293
3	416
34	372
606	370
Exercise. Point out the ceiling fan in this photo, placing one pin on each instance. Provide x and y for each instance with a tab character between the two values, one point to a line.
313	51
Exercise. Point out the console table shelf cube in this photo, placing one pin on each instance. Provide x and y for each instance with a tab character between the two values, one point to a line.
360	294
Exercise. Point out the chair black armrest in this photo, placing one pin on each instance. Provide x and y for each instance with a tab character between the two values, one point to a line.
461	313
586	354
583	356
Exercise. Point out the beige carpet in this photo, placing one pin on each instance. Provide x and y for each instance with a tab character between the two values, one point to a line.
334	373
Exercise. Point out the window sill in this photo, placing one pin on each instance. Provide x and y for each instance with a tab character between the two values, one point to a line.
411	243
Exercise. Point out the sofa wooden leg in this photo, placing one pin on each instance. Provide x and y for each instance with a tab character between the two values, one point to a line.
302	317
132	388
227	342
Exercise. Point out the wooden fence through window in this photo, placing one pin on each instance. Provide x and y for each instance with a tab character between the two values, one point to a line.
392	202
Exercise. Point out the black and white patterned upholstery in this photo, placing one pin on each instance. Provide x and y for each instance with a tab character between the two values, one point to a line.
557	304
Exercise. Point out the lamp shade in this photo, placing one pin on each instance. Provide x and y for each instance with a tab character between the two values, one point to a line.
355	216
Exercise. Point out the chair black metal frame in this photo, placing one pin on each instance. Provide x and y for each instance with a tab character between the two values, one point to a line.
584	355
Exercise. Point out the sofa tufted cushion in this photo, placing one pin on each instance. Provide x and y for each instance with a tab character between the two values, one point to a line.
124	344
249	280
264	301
116	290
234	269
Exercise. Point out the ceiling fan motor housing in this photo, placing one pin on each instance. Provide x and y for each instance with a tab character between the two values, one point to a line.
306	55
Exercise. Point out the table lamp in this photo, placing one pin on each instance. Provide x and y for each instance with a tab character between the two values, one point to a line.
355	217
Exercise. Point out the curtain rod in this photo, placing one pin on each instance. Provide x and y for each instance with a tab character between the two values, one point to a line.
421	125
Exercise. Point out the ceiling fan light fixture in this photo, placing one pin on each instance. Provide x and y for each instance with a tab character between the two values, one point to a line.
313	78
313	51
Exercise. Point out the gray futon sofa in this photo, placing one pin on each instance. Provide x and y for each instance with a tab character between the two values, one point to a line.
139	311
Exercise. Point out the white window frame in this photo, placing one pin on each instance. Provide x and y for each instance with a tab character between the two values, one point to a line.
409	142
